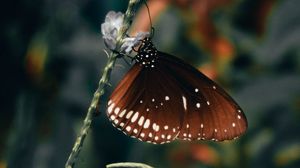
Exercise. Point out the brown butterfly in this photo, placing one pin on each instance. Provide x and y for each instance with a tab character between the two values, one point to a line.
162	98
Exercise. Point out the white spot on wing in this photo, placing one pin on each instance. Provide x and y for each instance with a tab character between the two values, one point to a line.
129	114
117	110
157	128
208	103
196	90
184	103
122	113
110	108
167	98
141	120
198	105
128	128
154	126
147	123
233	124
135	116
166	127
116	121
112	117
201	125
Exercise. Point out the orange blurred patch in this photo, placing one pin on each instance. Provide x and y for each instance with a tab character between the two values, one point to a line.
189	155
3	164
204	154
142	20
223	48
35	58
209	70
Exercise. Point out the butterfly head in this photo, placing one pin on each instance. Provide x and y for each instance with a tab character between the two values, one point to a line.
147	54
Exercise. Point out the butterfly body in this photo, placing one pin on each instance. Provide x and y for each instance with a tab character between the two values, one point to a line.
162	98
147	54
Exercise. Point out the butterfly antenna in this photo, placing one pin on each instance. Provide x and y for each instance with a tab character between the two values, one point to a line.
152	28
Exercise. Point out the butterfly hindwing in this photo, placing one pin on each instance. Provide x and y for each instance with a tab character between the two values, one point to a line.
210	113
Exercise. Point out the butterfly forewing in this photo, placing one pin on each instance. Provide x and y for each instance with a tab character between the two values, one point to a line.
145	109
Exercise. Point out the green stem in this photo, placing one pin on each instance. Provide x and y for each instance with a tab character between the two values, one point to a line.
101	86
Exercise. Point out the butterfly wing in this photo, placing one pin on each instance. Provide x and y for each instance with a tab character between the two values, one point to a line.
142	106
173	100
210	113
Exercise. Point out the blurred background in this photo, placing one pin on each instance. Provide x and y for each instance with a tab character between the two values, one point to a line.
52	58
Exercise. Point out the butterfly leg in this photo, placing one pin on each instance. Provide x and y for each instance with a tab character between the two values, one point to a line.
127	61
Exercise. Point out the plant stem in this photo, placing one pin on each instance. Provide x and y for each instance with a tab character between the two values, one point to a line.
101	86
128	164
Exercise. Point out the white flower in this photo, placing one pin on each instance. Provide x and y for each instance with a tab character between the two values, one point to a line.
131	42
110	30
111	27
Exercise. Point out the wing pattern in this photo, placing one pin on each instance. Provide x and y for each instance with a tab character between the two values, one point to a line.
170	100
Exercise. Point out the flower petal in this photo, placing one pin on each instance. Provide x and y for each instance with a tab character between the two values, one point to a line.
111	27
130	42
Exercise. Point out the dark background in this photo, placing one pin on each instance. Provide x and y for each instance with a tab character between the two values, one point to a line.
52	58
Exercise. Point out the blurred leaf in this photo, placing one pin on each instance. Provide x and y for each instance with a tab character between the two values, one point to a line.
259	142
128	164
286	154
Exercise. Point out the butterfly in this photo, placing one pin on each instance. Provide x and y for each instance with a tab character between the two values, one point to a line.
162	98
